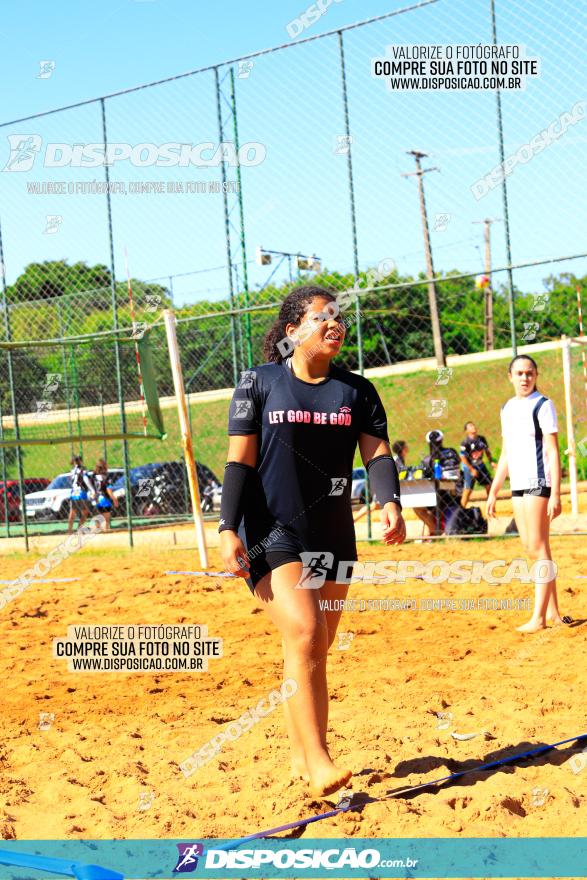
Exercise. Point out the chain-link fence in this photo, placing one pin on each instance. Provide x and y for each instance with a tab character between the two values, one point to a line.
201	179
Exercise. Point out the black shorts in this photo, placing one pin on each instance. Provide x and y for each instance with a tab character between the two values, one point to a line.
79	505
284	546
537	491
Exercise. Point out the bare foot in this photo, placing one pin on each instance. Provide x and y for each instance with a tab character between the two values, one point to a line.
559	621
532	626
328	779
299	770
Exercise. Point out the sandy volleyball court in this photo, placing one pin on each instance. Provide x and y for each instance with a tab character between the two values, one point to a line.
107	766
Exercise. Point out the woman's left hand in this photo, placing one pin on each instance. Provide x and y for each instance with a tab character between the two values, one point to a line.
394	527
554	507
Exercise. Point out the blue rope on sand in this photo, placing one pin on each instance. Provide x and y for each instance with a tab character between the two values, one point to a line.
58	866
300	823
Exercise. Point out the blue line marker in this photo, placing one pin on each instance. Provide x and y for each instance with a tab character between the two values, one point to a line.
59	866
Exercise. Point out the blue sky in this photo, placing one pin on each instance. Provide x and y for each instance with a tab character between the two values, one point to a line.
290	103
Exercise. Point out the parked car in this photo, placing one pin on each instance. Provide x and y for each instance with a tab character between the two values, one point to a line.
53	501
160	488
10	496
358	485
211	496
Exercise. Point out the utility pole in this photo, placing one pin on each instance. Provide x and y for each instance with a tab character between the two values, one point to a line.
488	337
432	299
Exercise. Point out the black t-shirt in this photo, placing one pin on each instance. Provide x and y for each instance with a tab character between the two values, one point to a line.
449	460
473	448
308	435
447	457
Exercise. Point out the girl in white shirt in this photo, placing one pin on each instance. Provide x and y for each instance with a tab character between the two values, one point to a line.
530	455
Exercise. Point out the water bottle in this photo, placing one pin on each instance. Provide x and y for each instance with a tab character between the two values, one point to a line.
437	469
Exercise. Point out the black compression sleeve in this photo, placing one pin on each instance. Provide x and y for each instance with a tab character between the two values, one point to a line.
384	479
232	502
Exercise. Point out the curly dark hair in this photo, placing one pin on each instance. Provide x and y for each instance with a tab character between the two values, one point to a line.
292	311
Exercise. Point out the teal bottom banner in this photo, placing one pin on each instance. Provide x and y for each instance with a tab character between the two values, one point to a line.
287	858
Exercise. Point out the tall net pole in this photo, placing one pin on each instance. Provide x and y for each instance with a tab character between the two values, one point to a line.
186	435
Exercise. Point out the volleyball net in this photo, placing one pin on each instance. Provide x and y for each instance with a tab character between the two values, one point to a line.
73	390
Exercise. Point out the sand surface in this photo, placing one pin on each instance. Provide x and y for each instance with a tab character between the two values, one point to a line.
116	740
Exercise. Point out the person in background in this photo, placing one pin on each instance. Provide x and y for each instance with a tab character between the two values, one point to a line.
81	485
400	453
105	498
449	462
473	447
530	457
447	456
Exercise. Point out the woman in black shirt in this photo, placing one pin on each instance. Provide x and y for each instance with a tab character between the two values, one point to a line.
286	519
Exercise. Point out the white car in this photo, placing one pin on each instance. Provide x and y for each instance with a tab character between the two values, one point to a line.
53	502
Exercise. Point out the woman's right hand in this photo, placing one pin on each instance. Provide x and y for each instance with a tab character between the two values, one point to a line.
233	553
490	506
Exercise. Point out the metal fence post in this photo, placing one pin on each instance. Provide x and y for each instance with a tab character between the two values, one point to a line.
353	216
125	454
227	234
13	402
504	195
242	223
62	334
6	520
